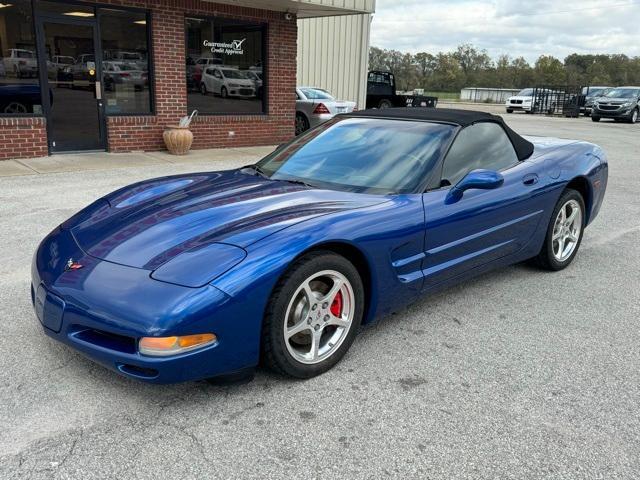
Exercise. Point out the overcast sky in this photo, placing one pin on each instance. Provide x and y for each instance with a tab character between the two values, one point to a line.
518	28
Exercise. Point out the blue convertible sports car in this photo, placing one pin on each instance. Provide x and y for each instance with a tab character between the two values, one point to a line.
199	275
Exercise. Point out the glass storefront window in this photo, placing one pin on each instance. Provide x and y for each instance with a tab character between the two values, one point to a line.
19	83
125	65
225	61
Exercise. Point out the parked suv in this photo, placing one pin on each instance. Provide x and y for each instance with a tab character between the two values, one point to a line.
622	103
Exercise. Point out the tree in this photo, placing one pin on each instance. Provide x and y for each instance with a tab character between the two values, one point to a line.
549	71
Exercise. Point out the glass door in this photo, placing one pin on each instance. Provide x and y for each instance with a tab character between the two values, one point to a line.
74	110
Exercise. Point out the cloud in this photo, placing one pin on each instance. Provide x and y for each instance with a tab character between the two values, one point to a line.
515	27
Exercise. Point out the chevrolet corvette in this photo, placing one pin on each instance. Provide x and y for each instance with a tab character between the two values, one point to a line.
201	275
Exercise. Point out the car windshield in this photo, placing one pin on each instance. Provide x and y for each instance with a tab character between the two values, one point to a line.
362	155
25	54
591	91
233	74
527	92
623	93
66	60
316	94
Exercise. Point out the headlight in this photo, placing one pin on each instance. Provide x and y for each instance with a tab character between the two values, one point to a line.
199	266
628	104
164	346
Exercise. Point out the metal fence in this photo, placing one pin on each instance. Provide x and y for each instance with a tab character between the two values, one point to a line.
562	100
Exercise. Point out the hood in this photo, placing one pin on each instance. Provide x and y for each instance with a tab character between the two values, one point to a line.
149	223
616	101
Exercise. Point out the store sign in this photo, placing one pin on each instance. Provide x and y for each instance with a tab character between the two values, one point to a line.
228	48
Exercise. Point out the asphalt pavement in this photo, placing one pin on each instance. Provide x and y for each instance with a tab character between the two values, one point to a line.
518	374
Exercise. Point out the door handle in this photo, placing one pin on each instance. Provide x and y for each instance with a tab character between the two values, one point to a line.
530	179
98	90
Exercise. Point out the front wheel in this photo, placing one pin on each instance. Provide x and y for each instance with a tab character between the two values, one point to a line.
385	104
203	89
223	92
313	315
509	110
634	116
564	233
595	119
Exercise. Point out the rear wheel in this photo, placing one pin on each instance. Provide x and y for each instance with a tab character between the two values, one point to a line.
302	124
385	104
564	233
313	315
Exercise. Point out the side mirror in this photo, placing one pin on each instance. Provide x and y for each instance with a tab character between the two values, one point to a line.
480	179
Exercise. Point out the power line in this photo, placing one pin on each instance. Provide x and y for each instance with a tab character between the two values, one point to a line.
534	14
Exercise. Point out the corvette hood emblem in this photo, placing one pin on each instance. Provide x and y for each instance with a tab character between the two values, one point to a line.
72	265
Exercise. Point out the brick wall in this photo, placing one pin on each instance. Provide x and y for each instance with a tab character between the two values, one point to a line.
22	137
26	137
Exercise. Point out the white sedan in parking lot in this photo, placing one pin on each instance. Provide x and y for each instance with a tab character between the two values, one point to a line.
315	106
226	82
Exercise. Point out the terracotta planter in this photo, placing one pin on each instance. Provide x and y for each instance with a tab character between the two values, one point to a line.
178	140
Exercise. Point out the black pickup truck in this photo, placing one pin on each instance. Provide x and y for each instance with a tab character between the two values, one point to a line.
381	93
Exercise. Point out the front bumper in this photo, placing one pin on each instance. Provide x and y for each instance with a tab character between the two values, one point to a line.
518	107
618	113
103	309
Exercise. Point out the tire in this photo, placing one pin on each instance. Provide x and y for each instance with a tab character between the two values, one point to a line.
634	116
552	256
302	124
203	89
15	107
292	353
385	104
595	119
223	92
509	110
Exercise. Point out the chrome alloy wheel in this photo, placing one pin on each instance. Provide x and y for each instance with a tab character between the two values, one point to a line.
566	230
319	317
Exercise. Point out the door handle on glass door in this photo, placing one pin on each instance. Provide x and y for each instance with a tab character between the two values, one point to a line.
98	90
530	179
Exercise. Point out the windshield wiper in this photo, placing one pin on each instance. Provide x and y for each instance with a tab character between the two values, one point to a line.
256	169
297	182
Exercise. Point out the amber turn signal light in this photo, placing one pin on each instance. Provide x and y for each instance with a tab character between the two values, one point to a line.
163	346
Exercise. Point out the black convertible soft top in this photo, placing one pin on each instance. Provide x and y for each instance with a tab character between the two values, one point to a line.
463	118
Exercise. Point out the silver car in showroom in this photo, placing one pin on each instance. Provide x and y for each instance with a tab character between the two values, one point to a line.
315	106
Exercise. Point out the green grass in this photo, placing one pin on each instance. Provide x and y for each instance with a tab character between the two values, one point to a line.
451	96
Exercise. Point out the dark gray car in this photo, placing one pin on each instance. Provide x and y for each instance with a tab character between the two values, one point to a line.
621	104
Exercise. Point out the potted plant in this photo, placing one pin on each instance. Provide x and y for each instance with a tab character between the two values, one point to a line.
178	138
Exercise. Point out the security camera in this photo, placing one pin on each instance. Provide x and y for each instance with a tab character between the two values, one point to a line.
288	16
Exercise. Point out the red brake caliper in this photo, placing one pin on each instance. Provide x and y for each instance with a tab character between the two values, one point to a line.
336	305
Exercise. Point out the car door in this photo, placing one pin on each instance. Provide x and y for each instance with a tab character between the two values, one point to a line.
217	81
483	225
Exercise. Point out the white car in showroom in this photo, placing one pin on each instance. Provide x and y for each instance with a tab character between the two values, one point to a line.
315	106
21	63
226	82
523	101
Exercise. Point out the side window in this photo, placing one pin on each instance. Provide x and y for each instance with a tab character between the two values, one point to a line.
483	145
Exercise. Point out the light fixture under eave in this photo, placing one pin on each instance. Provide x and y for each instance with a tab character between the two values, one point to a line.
5	5
140	22
78	14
